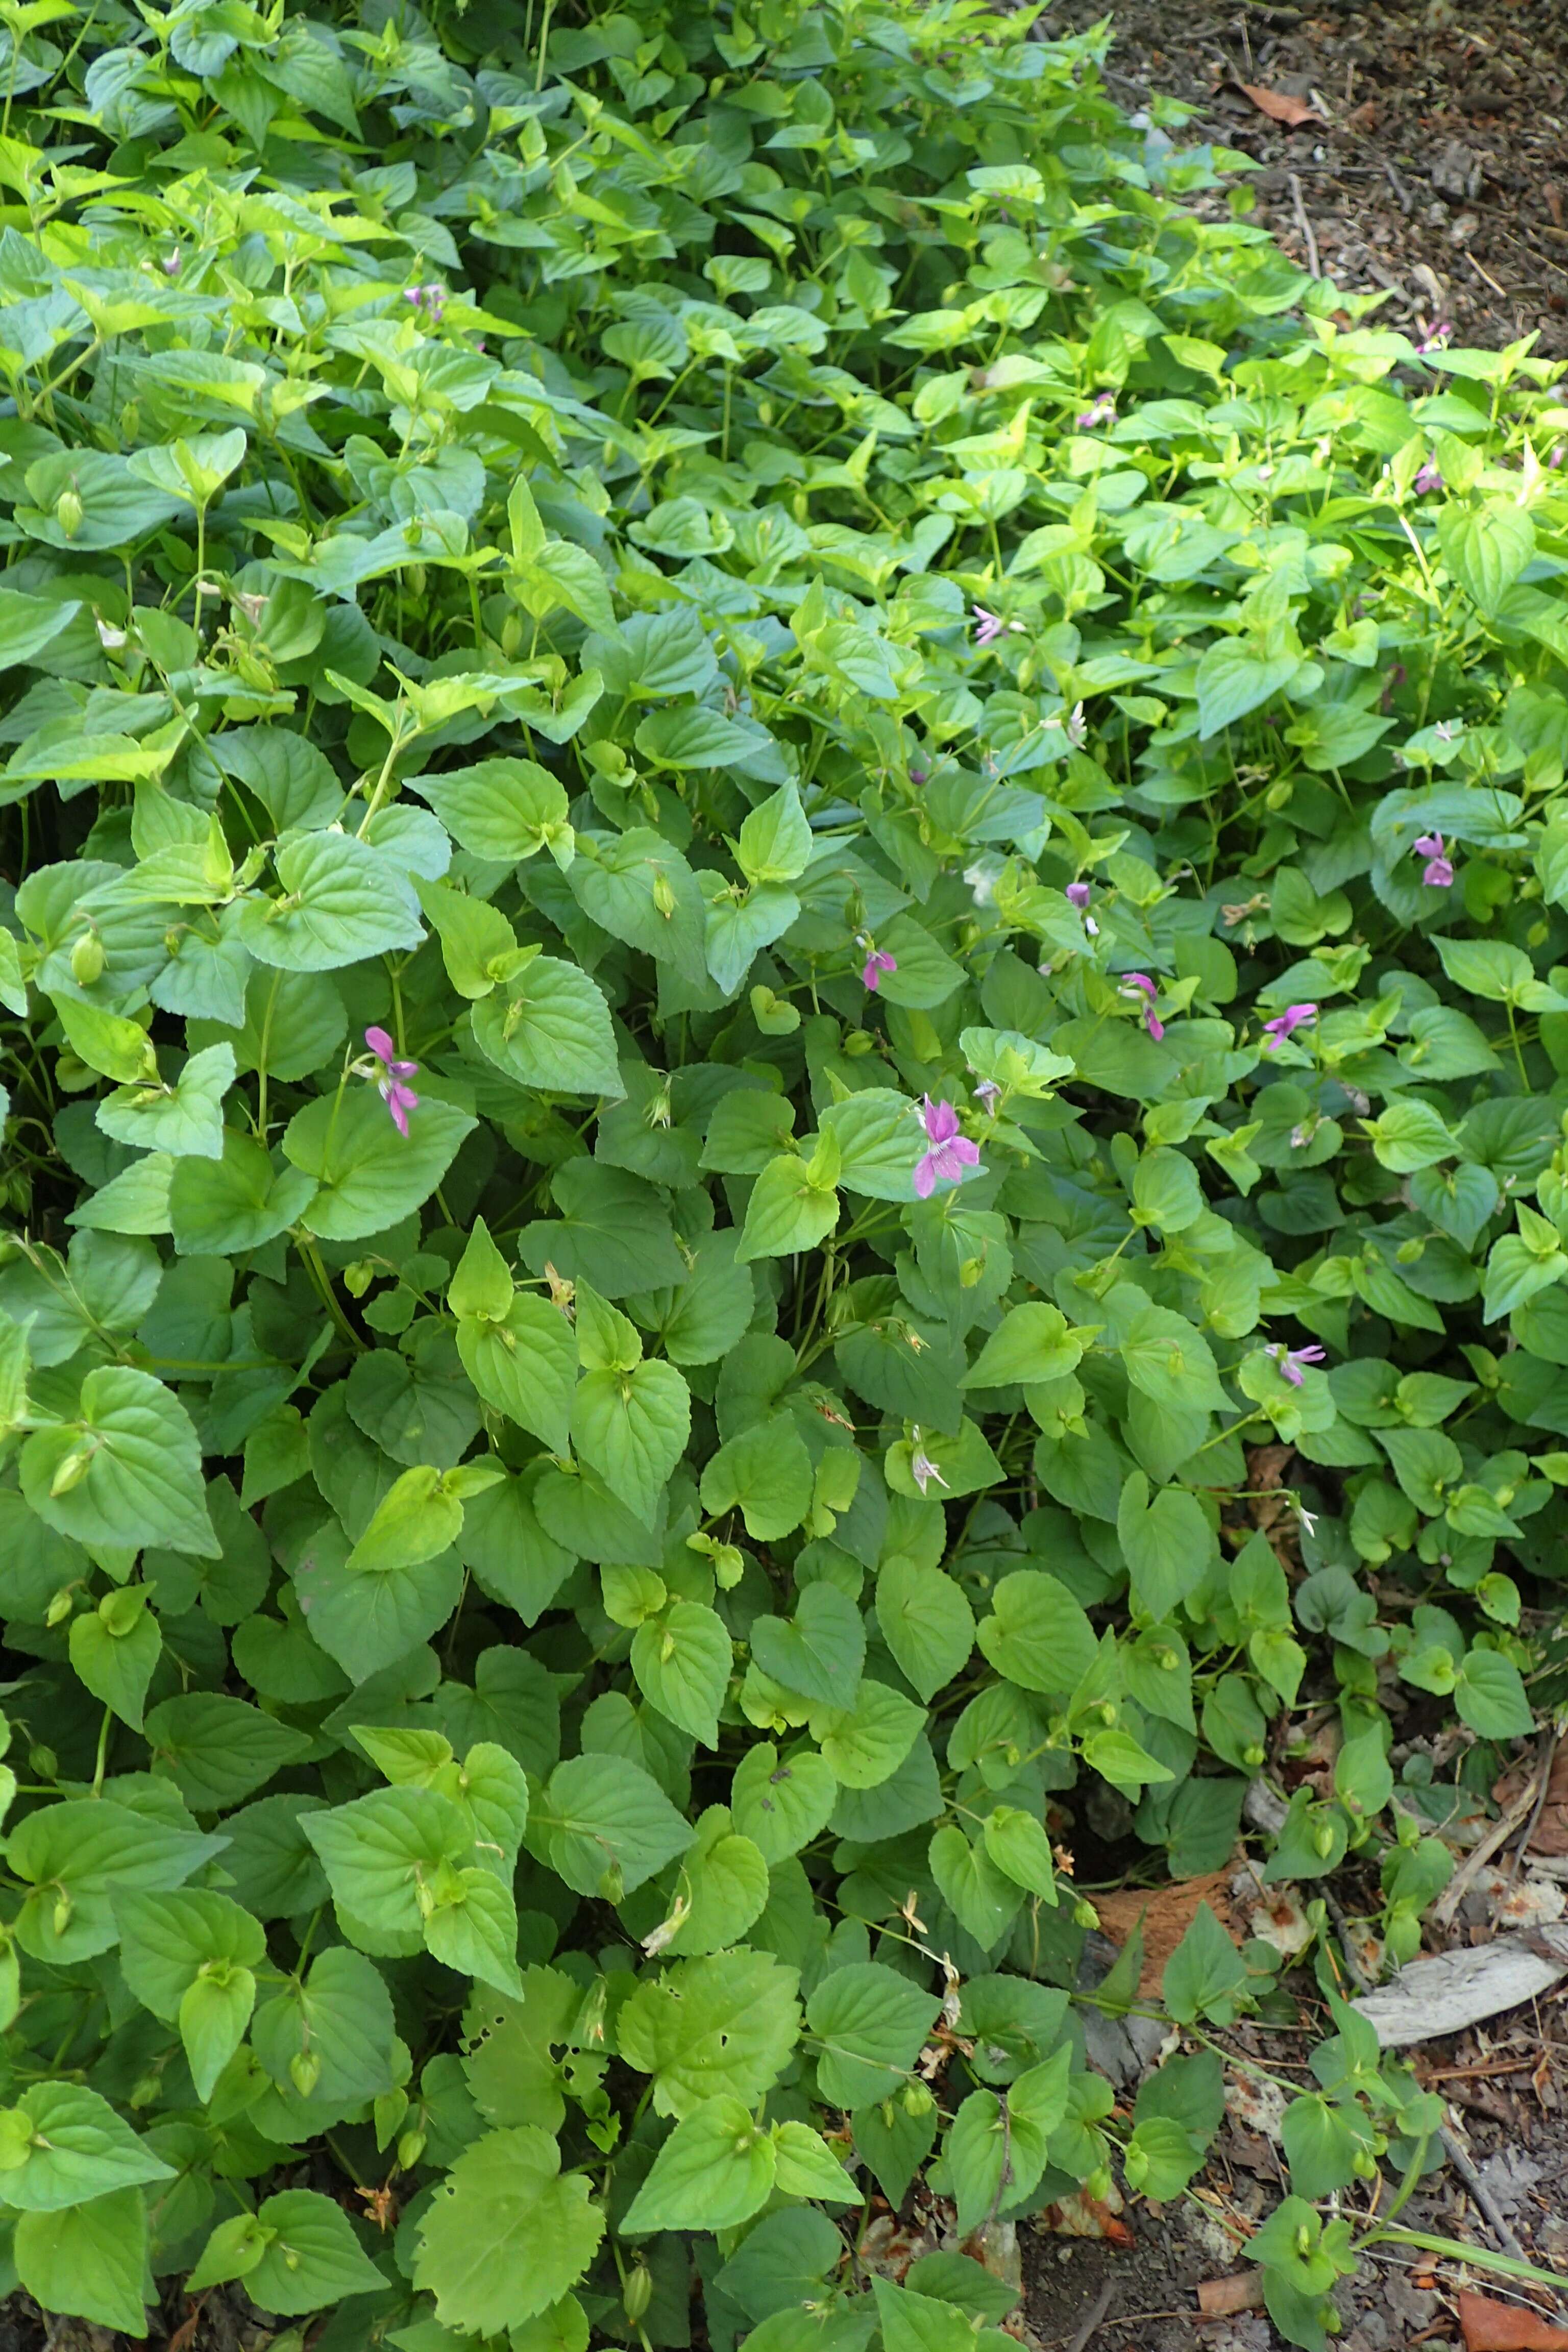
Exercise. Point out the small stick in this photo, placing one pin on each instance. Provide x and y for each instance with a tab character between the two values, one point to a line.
1091	2326
1305	226
1544	1776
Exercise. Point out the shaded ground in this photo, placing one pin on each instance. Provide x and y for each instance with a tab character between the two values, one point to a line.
1505	2084
1436	168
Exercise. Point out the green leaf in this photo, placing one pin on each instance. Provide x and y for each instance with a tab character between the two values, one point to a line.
90	2260
340	903
1017	1844
775	842
1486	549
781	1807
715	2171
217	1749
869	2025
926	1623
551	1030
62	2144
1204	1973
506	2234
1037	1635
1233	679
309	2256
766	1473
127	1470
1032	1343
367	1175
726	2025
1168	1545
503	809
238	1203
184	1119
818	1653
1490	1698
602	1815
682	1660
790	1209
632	1427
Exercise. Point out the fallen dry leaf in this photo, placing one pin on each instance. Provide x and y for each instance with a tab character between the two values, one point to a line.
1507	2328
1218	2297
1081	2216
1169	1912
1292	111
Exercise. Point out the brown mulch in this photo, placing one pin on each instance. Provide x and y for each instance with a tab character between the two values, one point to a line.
1432	167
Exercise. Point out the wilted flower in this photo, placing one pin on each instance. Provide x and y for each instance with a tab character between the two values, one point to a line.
1438	871
950	1153
1430	476
987	1094
111	639
1291	1360
1138	984
1284	1024
173	263
390	1075
1077	727
1101	410
922	1469
875	965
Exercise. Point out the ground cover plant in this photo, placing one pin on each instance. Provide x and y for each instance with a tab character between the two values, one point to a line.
784	1150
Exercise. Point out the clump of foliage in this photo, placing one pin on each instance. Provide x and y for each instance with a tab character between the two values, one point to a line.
785	1117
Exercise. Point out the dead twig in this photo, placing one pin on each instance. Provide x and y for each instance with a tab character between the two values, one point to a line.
1543	1791
1476	1861
1091	2325
1305	226
1480	2195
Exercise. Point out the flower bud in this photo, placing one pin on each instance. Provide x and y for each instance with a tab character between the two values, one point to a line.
69	512
43	1763
663	896
59	1607
410	2148
918	2099
1098	2185
638	2292
86	959
304	2072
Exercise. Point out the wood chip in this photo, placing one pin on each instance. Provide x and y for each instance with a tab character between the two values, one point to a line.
1491	2327
1218	2297
1445	1994
1167	1912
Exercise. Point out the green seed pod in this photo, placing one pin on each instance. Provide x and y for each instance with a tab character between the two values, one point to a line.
918	2099
638	2292
69	512
86	959
304	2072
43	1763
410	2148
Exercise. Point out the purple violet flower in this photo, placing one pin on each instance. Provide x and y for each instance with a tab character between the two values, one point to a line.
1438	871
950	1153
875	965
1079	894
1430	476
390	1079
1101	410
919	775
1138	984
1291	1360
1286	1023
989	626
428	300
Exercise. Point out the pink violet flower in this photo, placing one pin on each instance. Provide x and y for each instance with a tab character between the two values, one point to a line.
1430	476
1079	894
1438	871
1284	1024
922	1469
1138	984
1437	338
391	1077
173	263
950	1153
875	965
1290	1362
989	626
428	300
1101	410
